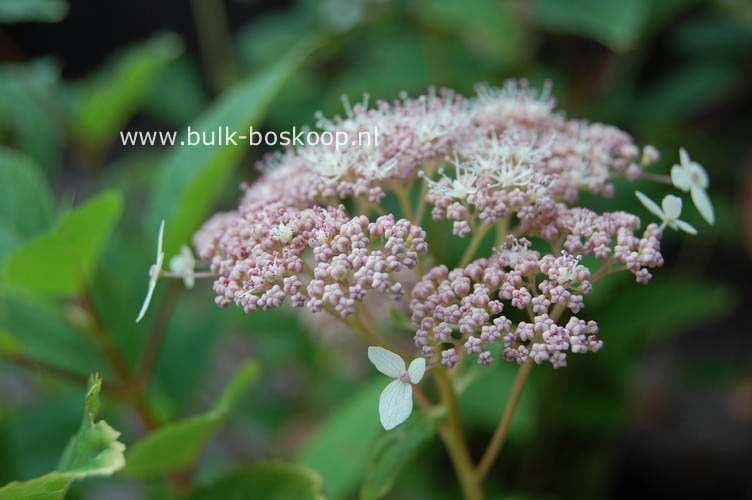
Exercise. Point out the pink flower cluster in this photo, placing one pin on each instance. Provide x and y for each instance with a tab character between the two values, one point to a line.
510	149
259	254
608	237
463	308
524	159
504	159
402	136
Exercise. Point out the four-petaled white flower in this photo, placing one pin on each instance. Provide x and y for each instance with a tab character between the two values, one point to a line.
184	263
154	272
690	176
396	401
672	207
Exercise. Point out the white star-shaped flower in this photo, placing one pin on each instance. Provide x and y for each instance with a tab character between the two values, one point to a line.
184	263
690	176
669	214
396	401
463	185
154	272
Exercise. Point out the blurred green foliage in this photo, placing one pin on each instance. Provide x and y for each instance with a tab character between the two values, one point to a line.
177	445
79	214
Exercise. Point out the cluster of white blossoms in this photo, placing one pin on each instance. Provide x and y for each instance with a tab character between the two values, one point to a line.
316	230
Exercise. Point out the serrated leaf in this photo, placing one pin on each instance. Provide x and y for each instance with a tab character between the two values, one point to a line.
56	262
24	11
26	202
392	453
178	445
192	177
270	481
109	99
93	451
339	449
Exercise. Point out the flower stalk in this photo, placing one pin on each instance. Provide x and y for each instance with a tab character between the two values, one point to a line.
455	440
502	430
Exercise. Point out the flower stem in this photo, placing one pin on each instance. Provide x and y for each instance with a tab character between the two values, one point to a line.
104	340
497	441
664	179
473	246
157	334
454	438
198	275
35	365
215	42
502	230
403	195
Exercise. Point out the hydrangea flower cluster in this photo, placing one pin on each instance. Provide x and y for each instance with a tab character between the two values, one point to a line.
259	254
463	309
505	160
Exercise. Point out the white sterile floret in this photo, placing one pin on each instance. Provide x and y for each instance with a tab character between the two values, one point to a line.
154	272
184	263
466	176
690	176
396	401
375	170
282	233
669	214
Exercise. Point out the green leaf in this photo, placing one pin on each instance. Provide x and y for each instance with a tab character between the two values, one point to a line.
269	37
480	411
688	88
393	452
24	11
178	445
400	319
666	304
44	334
8	342
192	177
270	481
488	27
9	241
616	24
339	449
31	110
26	202
107	102
56	262
176	96
93	451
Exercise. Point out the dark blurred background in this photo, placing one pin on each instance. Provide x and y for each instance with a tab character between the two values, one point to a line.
665	410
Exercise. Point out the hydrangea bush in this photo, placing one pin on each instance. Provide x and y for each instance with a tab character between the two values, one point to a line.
315	231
